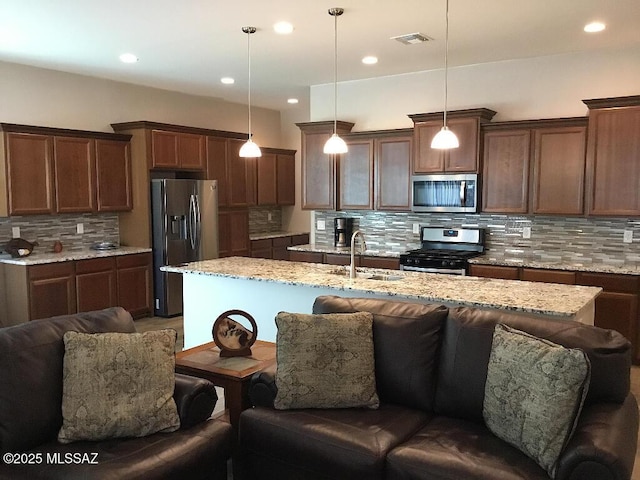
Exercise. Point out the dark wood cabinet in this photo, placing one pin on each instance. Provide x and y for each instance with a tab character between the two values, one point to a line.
380	262
559	169
494	271
318	168
548	276
505	180
134	279
217	167
465	124
51	290
262	248
340	259
74	174
613	150
177	150
29	170
276	248
241	176
113	176
376	171
96	284
233	233
286	178
356	175
307	257
50	170
275	177
393	172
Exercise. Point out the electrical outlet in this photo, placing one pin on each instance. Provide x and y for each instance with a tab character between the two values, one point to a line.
416	228
628	236
15	232
526	232
80	228
320	225
269	216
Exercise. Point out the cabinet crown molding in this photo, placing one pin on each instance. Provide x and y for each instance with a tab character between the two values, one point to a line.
145	124
484	114
62	132
595	103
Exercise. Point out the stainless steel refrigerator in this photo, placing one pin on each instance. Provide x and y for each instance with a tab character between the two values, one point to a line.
184	215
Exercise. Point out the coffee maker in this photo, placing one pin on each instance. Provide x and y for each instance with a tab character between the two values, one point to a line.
343	228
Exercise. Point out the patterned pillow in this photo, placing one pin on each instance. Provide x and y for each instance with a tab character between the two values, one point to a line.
118	385
325	361
534	393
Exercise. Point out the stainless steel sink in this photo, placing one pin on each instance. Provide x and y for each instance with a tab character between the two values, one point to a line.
385	278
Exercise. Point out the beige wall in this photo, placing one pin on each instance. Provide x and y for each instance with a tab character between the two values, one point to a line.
544	87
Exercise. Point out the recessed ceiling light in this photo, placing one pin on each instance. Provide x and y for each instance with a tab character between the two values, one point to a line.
594	27
292	101
370	60
128	58
283	28
227	80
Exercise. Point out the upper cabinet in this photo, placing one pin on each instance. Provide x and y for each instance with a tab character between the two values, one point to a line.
276	173
177	150
465	124
375	173
47	170
534	166
613	156
318	168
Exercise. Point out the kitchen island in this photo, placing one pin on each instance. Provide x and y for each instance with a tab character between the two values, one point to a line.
264	287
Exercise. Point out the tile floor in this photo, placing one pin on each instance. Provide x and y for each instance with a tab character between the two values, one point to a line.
154	323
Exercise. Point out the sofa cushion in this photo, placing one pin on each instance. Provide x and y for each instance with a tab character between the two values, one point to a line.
31	374
118	385
325	361
534	393
323	444
451	448
406	339
466	347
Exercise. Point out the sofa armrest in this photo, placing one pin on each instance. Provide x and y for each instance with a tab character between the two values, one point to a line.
604	443
195	398
262	388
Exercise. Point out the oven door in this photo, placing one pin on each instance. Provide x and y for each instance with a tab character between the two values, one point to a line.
444	193
450	271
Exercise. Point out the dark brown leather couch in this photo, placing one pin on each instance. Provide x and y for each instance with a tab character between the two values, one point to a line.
431	367
31	357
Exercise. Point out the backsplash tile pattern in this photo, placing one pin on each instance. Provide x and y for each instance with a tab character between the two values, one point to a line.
568	239
259	221
46	229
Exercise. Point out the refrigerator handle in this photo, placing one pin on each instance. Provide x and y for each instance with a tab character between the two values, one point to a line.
192	221
198	223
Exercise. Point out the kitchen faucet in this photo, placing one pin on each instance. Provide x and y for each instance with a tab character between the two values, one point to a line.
363	247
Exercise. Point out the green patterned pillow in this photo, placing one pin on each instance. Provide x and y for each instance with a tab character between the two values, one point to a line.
325	361
118	385
534	393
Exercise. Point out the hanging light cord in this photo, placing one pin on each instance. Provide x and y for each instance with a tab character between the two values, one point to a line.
446	61
249	32
335	73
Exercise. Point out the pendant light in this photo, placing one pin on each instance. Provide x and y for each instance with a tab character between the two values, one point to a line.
445	138
335	144
249	149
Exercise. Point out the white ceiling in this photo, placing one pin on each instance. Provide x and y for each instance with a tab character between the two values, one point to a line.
189	45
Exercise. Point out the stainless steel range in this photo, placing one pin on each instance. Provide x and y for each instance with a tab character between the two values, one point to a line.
444	250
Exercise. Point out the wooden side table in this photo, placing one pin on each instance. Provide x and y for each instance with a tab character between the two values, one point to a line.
231	373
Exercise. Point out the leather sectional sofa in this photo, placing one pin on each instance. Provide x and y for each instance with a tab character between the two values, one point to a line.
31	365
431	367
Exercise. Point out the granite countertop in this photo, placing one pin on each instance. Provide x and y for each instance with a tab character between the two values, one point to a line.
265	235
540	298
344	250
622	269
39	258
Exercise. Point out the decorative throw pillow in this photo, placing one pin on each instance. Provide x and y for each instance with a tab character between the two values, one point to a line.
118	385
325	361
534	393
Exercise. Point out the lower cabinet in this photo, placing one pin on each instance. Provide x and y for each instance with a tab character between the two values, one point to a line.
616	308
64	288
135	280
345	259
233	233
51	290
276	248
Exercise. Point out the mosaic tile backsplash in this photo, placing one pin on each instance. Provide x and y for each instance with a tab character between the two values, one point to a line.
46	229
566	239
265	219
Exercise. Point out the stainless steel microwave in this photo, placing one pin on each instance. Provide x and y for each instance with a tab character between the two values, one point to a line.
445	193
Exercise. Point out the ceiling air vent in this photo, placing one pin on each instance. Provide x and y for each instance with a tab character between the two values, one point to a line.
412	38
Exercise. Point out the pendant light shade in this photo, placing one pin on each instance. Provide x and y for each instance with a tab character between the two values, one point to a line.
249	149
335	144
445	138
